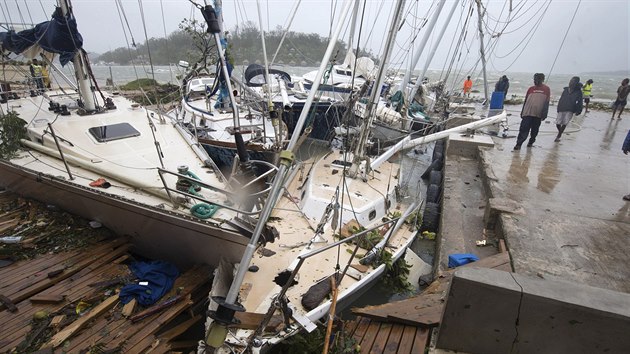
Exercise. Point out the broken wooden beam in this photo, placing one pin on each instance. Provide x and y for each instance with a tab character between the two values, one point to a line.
8	303
77	325
47	298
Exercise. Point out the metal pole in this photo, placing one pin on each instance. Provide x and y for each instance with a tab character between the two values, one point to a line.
376	90
274	117
482	52
408	143
60	152
433	50
423	43
80	71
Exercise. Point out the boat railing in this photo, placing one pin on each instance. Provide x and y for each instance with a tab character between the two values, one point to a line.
172	192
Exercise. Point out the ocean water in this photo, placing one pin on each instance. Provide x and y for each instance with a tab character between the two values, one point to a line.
604	87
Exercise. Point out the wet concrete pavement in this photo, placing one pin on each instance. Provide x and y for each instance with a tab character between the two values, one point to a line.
575	225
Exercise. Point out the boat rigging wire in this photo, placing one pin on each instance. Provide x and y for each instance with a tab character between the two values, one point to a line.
146	38
121	10
121	14
564	38
19	10
168	52
531	35
8	12
531	30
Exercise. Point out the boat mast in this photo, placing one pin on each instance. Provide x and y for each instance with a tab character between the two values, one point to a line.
225	312
433	50
482	51
80	67
348	59
359	152
423	43
272	112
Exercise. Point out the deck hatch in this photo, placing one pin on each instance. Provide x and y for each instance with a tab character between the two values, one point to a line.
112	132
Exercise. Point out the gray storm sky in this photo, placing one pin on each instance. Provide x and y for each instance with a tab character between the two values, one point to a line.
598	39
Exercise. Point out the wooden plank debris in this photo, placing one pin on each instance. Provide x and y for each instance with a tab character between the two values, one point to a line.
77	325
47	298
8	303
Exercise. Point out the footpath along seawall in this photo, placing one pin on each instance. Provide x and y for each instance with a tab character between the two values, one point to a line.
559	209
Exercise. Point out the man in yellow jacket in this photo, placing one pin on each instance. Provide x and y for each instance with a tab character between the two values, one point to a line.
586	93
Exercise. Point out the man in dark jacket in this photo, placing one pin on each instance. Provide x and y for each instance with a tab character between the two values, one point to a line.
570	103
535	109
502	85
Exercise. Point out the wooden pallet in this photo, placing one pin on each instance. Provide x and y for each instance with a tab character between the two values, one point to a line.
376	337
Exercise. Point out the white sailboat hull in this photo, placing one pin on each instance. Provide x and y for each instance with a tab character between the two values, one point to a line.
137	205
156	233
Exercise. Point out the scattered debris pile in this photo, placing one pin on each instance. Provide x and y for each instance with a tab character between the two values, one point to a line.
59	289
29	228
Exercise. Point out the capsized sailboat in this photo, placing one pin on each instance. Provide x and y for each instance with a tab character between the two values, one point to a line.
108	159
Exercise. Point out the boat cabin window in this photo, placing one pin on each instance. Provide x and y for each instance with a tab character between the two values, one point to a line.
344	72
372	215
112	132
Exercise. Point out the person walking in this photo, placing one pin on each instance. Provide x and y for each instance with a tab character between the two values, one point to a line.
626	148
622	98
570	103
586	93
535	109
467	87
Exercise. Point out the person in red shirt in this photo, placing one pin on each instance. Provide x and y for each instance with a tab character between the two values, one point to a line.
535	109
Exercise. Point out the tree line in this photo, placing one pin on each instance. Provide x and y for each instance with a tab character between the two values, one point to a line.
191	43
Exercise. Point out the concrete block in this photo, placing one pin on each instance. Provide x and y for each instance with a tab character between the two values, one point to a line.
489	311
466	146
500	205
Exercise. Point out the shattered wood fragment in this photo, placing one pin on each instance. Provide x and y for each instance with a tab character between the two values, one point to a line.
8	303
128	308
56	321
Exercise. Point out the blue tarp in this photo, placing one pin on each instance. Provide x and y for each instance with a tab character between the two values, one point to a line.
459	259
59	35
160	277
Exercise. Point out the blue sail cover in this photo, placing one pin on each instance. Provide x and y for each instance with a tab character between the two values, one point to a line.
59	35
